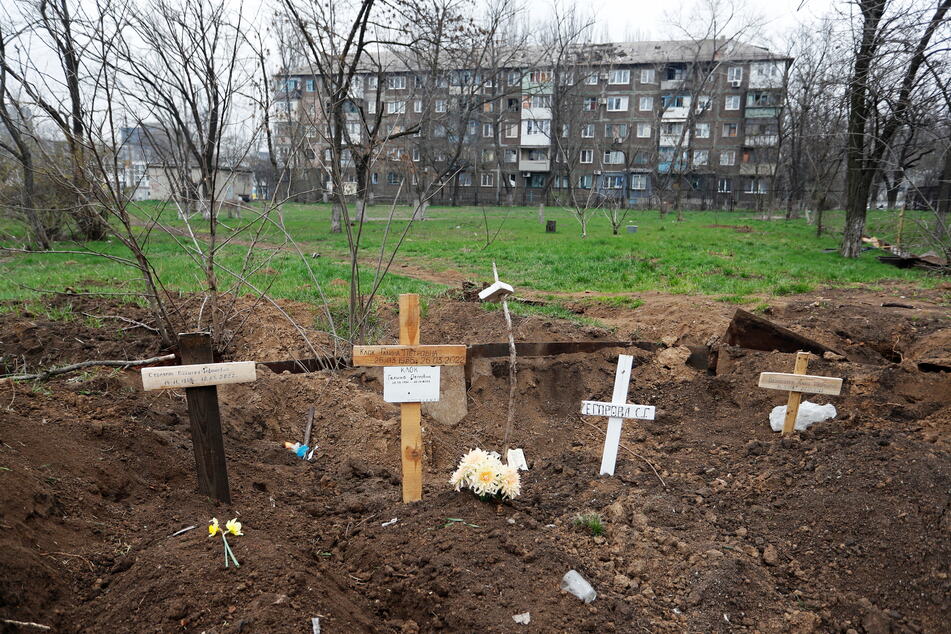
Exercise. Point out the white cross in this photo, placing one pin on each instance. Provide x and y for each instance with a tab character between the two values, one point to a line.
617	410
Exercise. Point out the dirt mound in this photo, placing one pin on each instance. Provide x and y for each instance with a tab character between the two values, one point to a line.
713	523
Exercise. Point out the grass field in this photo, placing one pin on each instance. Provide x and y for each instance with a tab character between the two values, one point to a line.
693	257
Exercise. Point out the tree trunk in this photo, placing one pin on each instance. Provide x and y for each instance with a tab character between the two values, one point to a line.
336	216
859	186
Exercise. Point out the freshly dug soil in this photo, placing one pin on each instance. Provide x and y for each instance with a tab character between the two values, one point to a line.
712	521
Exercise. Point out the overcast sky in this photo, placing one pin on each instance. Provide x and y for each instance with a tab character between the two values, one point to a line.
651	19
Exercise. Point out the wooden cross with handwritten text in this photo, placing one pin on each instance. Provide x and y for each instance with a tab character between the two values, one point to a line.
797	383
410	353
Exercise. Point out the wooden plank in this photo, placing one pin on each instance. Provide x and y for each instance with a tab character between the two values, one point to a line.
409	354
808	383
617	410
553	348
795	397
197	375
411	433
755	333
612	438
205	419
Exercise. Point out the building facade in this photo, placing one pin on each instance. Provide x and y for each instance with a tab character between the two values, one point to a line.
693	124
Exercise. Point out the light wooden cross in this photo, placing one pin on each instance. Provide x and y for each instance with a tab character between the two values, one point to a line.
499	291
409	354
617	410
199	379
797	383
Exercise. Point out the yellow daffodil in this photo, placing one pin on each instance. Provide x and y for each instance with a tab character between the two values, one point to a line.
213	528
233	526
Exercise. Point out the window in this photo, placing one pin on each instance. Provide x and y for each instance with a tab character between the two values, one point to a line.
613	181
615	131
536	126
568	78
645	104
511	130
584	182
730	130
374	178
392	178
371	106
439	130
613	158
728	157
373	82
418	81
587	131
488	106
396	107
560	182
639	182
487	179
513	78
539	76
488	130
617	104
536	181
472	128
592	79
702	130
675	101
396	82
700	157
465	179
703	103
510	156
512	104
565	130
586	156
724	186
734	74
541	101
762	99
488	155
416	154
732	102
619	77
671	129
647	75
643	130
590	104
309	85
440	105
674	73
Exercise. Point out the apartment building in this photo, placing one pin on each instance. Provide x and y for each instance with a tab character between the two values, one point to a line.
639	124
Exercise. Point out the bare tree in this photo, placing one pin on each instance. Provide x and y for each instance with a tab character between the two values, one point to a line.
891	49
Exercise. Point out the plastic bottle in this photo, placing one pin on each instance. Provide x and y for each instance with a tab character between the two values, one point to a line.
574	583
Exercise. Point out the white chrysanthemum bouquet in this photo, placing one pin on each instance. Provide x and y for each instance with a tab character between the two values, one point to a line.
483	473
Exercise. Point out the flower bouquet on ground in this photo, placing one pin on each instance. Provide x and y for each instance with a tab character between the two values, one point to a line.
484	474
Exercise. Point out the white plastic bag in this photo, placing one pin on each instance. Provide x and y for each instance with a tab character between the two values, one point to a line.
809	413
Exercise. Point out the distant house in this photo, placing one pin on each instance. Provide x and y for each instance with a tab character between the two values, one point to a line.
149	169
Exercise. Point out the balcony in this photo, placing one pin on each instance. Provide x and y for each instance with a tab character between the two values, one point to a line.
674	113
755	112
541	165
762	140
757	169
673	140
673	84
538	139
536	113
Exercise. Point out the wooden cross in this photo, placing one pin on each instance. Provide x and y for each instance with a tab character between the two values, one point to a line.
500	291
797	383
406	355
199	379
616	411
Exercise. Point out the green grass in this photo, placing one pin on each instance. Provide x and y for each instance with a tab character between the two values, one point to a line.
591	523
776	258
